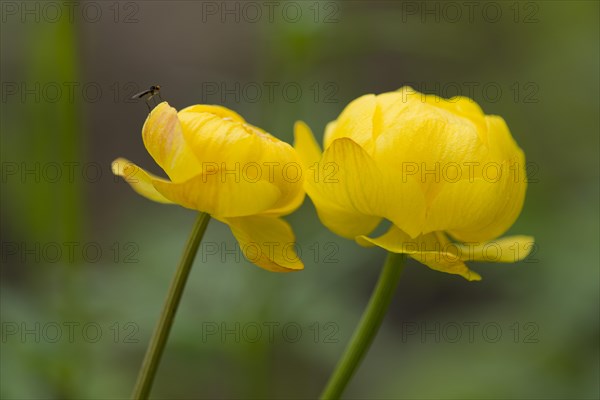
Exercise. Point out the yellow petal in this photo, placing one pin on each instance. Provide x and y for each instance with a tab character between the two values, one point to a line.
350	178
463	204
341	221
267	242
433	250
355	122
283	168
330	128
457	105
347	189
352	194
305	144
288	202
420	142
221	195
164	140
481	209
140	180
509	249
217	134
220	138
220	111
502	145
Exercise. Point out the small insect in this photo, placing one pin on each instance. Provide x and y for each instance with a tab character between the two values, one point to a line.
153	91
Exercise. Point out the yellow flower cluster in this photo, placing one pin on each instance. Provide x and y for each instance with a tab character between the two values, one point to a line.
449	178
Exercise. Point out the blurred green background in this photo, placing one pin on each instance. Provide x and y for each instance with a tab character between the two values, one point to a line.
86	262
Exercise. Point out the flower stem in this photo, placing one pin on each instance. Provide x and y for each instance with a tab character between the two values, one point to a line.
161	333
367	327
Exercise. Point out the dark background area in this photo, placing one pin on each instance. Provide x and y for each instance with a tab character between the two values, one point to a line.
86	262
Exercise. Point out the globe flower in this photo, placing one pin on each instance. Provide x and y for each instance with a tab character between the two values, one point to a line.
218	164
449	178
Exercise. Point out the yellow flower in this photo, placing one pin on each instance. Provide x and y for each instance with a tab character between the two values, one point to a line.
435	168
219	164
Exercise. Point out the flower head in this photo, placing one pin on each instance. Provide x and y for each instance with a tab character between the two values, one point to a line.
436	168
219	164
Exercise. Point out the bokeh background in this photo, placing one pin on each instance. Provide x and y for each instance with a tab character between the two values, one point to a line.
86	262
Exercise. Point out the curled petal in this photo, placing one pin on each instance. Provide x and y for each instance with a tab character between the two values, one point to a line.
267	242
508	249
139	179
433	249
164	140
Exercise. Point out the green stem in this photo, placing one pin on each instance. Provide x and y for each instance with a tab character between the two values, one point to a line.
161	334
367	327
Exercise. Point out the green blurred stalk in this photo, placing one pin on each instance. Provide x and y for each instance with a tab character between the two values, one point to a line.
52	135
167	316
49	134
367	327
